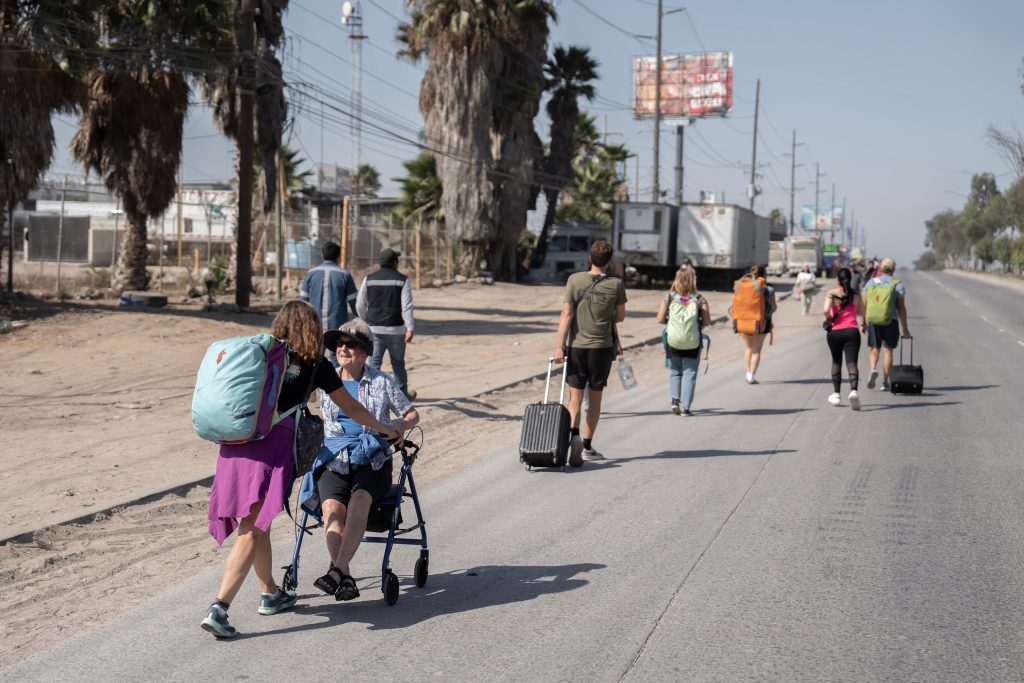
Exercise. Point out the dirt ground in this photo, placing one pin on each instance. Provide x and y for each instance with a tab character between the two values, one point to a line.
96	416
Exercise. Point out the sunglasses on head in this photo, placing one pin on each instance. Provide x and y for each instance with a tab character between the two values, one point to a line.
347	344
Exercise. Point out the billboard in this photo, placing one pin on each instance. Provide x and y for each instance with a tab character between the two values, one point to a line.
692	85
829	217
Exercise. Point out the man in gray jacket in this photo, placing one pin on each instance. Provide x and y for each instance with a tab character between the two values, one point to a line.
384	301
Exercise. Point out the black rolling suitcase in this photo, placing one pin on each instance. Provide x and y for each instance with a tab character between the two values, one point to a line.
907	379
545	438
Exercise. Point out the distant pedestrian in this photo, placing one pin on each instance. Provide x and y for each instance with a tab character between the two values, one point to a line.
753	330
593	304
252	480
806	284
384	301
885	300
686	313
330	289
856	277
842	306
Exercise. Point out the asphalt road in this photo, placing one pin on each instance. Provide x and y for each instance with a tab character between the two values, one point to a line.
768	537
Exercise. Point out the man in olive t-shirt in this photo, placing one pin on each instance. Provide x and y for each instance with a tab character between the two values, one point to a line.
594	302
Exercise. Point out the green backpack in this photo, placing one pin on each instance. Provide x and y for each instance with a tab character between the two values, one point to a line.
684	322
881	302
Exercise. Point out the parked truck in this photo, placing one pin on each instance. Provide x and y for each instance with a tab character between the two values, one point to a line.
720	240
776	258
803	251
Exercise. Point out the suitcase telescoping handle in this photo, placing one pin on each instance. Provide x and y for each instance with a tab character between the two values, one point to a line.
911	351
547	383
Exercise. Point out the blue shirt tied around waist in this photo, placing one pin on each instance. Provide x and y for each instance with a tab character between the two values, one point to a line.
362	446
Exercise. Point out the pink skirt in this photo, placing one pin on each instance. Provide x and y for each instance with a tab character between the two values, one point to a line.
248	473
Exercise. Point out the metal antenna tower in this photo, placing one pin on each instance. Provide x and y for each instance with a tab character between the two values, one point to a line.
352	19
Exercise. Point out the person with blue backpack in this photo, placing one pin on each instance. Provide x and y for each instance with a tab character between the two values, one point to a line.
255	466
885	300
685	313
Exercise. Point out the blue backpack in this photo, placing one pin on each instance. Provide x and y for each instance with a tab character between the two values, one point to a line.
237	387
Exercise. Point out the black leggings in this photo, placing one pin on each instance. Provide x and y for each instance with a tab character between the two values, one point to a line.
848	341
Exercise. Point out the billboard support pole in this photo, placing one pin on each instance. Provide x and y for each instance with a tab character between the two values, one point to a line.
753	159
657	107
680	132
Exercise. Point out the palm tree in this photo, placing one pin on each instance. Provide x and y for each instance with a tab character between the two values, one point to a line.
43	48
131	125
222	90
367	181
568	74
420	189
479	96
592	194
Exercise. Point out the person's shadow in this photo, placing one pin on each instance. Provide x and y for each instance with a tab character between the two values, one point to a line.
446	593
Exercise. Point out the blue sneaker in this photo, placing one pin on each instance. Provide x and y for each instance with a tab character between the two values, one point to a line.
216	622
278	602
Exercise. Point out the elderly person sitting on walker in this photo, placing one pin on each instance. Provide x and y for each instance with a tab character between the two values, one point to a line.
355	477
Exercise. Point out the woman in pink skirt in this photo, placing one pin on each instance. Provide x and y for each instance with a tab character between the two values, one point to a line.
252	480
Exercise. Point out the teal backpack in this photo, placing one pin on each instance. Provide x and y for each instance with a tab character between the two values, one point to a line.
237	387
683	330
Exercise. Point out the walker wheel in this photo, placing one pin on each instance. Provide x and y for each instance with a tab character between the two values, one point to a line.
286	581
391	589
421	572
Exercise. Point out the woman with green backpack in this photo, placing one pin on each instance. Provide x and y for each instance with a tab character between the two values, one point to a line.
684	312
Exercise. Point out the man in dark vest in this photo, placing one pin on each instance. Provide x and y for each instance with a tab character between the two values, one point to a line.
385	303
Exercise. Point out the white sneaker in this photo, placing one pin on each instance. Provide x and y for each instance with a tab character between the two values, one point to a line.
576	451
591	454
872	379
854	398
750	378
834	399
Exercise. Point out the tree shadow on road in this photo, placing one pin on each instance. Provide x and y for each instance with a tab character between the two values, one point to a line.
940	390
813	380
915	404
469	407
447	593
716	412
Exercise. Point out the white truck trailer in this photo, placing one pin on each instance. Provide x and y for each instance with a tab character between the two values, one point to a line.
723	240
803	250
644	236
776	258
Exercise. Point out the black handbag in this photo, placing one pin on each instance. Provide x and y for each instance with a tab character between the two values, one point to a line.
827	324
309	431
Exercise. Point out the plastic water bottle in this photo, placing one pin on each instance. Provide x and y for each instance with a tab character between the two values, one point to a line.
626	373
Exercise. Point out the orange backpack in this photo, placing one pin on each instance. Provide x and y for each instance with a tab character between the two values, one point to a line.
748	306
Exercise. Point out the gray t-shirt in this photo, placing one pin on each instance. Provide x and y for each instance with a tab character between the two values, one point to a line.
593	322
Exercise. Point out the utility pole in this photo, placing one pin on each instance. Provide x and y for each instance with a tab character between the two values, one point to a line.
180	221
832	216
352	17
280	221
792	185
60	232
243	266
753	160
817	193
656	191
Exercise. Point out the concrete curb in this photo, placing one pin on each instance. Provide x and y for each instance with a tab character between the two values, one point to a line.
183	488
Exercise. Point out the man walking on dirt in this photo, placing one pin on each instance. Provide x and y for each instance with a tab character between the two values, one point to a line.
594	303
330	289
385	303
885	298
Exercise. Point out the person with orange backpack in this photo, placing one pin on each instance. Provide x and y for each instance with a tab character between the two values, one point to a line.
885	311
685	313
753	303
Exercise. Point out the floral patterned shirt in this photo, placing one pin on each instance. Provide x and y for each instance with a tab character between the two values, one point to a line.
377	392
